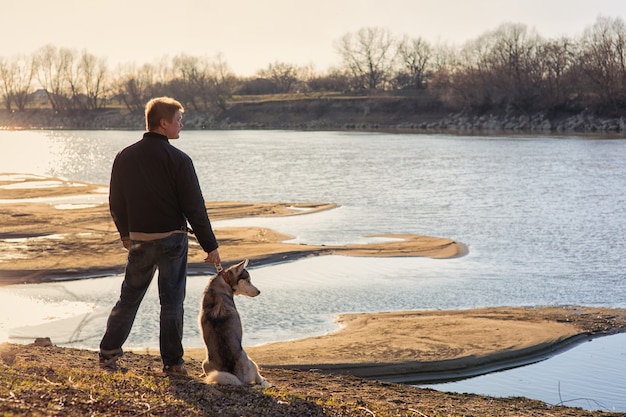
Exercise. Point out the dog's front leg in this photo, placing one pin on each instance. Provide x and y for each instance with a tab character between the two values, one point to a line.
254	375
263	383
206	367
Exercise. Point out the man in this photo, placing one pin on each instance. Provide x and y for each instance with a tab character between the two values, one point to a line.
154	193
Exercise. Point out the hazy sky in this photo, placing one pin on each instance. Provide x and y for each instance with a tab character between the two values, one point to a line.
250	34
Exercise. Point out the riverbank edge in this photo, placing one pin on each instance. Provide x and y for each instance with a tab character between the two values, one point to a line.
355	114
576	324
436	372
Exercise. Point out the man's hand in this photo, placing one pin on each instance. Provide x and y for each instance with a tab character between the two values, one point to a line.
213	257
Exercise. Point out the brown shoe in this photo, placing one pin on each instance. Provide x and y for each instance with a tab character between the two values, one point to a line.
109	363
175	370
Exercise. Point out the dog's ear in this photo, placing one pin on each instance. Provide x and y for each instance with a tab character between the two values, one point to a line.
240	267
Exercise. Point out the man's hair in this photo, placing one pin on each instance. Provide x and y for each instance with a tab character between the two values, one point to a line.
161	108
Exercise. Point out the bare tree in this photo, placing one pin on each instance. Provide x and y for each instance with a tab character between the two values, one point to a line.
52	69
445	64
517	62
283	75
223	83
472	84
6	76
71	75
191	80
133	86
501	69
93	73
603	59
369	55
17	78
203	83
557	60
414	56
335	80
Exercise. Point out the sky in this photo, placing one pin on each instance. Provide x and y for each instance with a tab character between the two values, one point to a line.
251	34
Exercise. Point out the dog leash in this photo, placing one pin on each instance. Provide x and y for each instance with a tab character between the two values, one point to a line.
219	269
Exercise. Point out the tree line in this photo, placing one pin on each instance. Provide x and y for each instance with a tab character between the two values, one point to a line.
510	68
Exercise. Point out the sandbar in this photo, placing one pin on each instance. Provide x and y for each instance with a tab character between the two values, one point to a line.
41	240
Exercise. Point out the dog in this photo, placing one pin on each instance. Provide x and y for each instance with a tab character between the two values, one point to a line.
226	362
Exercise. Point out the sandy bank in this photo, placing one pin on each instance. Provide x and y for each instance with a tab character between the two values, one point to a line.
41	240
420	346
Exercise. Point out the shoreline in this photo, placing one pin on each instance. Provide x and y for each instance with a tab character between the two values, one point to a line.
582	324
437	346
357	113
436	372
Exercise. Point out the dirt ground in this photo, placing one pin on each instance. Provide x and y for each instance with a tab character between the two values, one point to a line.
341	373
54	381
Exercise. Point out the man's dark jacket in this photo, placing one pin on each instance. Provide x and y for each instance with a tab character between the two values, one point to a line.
154	189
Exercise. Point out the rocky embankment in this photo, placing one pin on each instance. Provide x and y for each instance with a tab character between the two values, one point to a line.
580	123
361	113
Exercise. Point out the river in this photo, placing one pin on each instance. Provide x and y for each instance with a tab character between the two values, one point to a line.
544	219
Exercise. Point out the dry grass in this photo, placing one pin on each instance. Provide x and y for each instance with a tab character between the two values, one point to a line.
54	381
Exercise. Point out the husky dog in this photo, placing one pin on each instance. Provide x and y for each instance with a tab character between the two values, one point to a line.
226	362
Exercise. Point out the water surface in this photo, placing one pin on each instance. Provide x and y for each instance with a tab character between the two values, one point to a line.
544	219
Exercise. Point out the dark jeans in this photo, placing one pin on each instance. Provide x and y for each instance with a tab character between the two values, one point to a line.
169	256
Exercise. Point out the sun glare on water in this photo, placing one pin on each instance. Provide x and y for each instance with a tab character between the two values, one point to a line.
21	313
36	161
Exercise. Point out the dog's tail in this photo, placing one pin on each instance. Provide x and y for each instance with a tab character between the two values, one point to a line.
222	378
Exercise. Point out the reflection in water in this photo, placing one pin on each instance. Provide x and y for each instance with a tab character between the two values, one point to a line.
601	363
23	311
